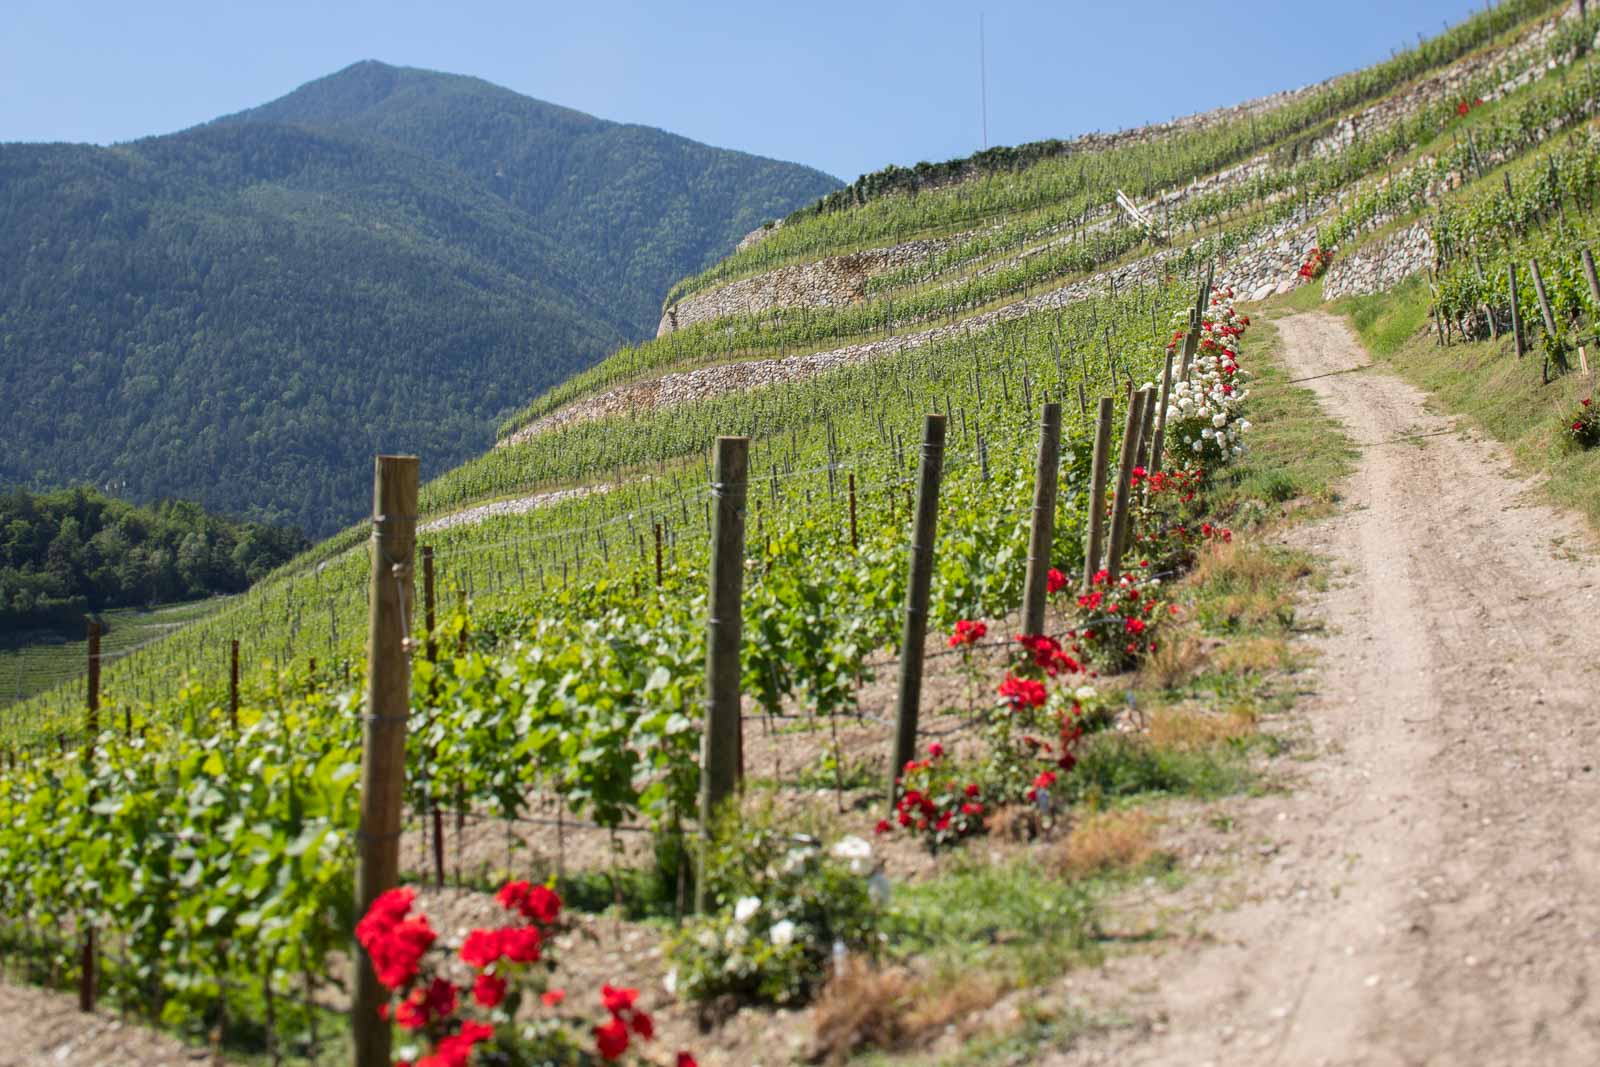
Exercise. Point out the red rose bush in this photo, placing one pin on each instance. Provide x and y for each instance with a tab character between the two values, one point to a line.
446	1024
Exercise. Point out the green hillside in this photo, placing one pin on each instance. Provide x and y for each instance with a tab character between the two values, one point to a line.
237	312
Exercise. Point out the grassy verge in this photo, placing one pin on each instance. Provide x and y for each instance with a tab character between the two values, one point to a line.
1504	397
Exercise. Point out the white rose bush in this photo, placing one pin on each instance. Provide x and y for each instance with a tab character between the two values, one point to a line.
782	902
1206	426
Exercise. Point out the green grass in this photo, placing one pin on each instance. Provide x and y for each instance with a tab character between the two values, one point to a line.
1296	450
1389	322
1120	767
1504	397
1018	920
38	660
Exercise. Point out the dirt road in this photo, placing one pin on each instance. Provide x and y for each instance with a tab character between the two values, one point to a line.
1432	892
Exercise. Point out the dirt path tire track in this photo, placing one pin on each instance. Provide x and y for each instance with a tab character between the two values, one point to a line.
1432	892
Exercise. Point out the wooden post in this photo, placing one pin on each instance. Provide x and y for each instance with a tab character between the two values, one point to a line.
915	634
659	565
720	746
1544	301
92	698
854	543
1203	299
1191	340
1097	490
1146	427
1160	443
1119	507
86	959
1042	534
1488	308
1594	282
430	622
1516	312
383	751
233	684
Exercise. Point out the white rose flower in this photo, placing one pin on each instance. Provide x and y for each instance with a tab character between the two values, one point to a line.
670	982
1219	420
736	937
1085	692
856	851
746	907
782	933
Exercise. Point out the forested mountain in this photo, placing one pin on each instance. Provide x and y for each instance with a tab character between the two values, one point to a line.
75	550
242	313
638	206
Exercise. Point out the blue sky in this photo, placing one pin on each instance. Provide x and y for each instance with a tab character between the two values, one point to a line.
847	87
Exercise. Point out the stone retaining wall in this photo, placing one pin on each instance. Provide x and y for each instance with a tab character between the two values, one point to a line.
832	282
1383	266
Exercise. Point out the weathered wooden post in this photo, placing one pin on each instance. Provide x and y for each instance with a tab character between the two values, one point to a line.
1488	308
1097	490
383	750
1042	532
914	636
1516	312
87	960
1594	282
233	684
1544	301
854	543
1160	443
430	622
1146	427
720	742
660	565
1191	340
1119	507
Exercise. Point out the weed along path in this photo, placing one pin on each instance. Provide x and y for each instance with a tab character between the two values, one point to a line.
1429	892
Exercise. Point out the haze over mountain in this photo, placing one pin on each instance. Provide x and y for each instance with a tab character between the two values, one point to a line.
385	259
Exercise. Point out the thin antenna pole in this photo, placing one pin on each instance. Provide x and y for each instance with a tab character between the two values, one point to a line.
983	81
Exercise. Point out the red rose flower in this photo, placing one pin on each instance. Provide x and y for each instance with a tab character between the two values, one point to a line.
481	948
489	990
1023	692
394	942
611	1038
617	1000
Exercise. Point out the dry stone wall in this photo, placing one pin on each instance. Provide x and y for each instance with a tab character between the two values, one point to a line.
833	282
1383	265
517	506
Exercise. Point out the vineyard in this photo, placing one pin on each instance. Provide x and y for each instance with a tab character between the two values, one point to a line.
712	694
